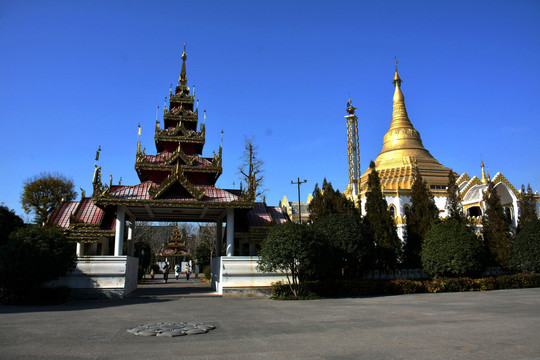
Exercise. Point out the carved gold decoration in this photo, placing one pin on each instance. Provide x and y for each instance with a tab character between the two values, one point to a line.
474	181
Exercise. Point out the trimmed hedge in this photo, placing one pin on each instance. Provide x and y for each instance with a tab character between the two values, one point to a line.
346	288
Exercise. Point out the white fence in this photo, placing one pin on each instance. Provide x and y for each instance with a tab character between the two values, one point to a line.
239	274
101	276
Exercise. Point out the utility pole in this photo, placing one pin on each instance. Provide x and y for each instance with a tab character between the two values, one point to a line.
298	182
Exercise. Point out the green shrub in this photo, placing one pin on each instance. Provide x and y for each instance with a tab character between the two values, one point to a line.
517	281
32	257
526	249
350	247
451	249
208	272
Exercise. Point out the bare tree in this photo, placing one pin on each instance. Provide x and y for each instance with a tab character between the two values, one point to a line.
251	170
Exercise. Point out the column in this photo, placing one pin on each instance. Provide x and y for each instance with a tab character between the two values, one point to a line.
119	234
219	237
79	249
230	232
131	228
104	246
93	249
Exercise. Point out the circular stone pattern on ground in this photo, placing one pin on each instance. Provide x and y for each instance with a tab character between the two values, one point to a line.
171	329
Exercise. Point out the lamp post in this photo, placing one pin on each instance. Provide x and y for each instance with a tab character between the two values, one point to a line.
298	182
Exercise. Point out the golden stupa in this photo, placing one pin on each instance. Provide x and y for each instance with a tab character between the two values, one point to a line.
403	154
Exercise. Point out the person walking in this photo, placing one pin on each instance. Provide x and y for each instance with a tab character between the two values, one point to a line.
188	271
165	272
177	271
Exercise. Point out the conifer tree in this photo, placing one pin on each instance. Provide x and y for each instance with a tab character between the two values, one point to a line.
453	203
328	201
497	235
527	206
381	224
423	213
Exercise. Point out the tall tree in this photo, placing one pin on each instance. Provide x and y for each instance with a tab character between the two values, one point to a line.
251	169
497	235
423	213
9	222
527	206
327	201
44	193
453	203
381	224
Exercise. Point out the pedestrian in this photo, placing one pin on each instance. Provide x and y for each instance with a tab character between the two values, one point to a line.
152	273
177	271
188	271
165	272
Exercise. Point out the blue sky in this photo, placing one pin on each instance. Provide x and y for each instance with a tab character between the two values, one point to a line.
80	74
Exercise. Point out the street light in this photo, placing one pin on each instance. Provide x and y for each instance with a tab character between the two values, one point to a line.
298	182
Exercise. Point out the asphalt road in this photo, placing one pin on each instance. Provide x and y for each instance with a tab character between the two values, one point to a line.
502	324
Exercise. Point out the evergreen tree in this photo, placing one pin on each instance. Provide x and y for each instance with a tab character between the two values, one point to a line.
423	213
453	203
497	235
381	224
329	201
527	206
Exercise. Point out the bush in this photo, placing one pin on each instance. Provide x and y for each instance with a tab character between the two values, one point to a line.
32	257
517	281
350	247
451	249
208	272
526	249
364	287
293	249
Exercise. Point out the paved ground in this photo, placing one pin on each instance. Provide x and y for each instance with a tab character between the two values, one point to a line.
477	325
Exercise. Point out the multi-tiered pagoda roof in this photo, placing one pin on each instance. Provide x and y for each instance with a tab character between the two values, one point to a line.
177	175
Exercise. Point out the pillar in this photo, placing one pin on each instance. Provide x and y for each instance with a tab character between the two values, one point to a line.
79	249
93	249
219	237
230	232
119	234
105	246
131	229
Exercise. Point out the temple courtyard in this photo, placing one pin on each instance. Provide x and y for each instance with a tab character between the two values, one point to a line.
500	324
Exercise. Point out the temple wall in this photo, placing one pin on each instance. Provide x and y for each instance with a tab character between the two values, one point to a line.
101	276
239	275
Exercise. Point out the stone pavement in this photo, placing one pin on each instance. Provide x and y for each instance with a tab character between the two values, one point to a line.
502	324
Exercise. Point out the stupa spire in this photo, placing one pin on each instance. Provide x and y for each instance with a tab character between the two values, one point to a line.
183	74
484	178
400	118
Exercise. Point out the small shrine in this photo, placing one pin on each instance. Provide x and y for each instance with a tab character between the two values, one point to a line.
176	247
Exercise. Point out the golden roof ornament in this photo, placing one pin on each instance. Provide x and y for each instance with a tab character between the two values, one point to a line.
183	75
484	180
350	108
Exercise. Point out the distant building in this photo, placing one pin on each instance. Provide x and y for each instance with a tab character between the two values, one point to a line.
292	210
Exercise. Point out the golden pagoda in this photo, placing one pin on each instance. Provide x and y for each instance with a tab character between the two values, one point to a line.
403	154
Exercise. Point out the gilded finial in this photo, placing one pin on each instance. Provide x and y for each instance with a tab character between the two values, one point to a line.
97	154
183	75
350	108
484	179
397	80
